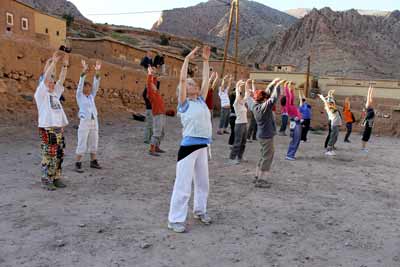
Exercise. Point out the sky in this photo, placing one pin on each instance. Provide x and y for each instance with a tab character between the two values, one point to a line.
90	7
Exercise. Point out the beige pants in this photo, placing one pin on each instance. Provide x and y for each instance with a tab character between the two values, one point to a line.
267	154
88	137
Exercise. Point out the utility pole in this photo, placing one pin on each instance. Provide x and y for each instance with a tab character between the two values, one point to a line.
306	91
234	7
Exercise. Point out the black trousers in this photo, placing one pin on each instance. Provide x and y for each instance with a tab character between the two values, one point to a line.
305	128
252	131
232	120
329	135
349	127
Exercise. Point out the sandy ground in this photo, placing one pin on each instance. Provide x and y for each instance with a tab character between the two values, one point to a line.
342	211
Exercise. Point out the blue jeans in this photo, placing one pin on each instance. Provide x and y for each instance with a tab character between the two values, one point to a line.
295	134
284	123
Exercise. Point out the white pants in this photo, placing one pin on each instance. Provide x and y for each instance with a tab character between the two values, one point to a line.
194	166
88	137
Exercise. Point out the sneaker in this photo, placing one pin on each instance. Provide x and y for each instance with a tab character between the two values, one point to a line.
177	227
159	150
233	162
347	141
203	217
78	167
262	184
58	183
154	154
365	150
330	153
290	158
95	165
226	132
46	184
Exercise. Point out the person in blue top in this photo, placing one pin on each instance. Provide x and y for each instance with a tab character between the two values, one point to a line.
193	152
306	113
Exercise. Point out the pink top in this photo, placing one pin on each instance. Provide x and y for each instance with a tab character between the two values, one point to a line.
292	110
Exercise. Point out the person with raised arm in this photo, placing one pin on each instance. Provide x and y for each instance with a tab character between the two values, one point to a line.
212	84
88	131
252	130
225	111
158	110
335	121
192	155
306	113
239	145
295	122
51	122
266	129
369	119
348	118
332	102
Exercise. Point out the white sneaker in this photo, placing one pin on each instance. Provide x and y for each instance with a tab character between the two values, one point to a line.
177	227
204	218
365	150
330	153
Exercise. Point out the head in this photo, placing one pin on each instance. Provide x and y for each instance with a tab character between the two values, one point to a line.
303	100
149	53
87	88
192	88
260	96
51	82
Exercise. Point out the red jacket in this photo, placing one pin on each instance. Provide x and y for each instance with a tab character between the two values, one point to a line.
156	100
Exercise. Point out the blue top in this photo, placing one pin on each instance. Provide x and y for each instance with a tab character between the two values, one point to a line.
188	140
305	111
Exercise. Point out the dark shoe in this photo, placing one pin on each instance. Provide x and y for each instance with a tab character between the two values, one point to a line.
78	167
347	141
262	184
46	184
58	183
226	132
154	154
159	150
219	133
95	165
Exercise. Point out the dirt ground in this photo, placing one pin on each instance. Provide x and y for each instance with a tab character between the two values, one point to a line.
328	212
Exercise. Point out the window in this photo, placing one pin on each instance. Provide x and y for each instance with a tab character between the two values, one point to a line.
58	33
47	30
24	24
10	19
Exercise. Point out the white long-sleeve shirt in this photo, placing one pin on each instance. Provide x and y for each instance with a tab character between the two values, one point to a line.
50	111
87	105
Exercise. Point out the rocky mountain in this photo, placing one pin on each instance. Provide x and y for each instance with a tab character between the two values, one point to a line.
209	21
301	12
55	7
340	43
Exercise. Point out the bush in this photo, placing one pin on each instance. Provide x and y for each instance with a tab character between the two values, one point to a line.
69	18
164	40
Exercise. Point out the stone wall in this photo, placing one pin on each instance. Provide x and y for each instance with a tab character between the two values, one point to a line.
121	87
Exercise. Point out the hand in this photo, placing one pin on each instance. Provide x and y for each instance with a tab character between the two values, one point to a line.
66	60
97	67
192	54
281	82
206	53
57	56
276	80
240	84
150	71
85	66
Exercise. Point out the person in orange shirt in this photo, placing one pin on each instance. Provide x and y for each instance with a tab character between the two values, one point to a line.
348	118
158	110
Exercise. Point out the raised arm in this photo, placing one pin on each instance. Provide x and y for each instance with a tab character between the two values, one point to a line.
276	92
301	98
206	71
48	71
64	69
230	81
369	96
96	78
183	78
238	89
253	86
248	88
214	81
223	82
271	85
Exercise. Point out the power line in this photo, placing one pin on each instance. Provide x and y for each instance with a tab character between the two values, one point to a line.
148	12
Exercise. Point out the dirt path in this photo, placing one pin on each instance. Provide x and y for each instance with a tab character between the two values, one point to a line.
320	212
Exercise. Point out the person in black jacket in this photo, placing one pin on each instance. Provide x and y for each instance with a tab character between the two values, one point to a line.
147	61
369	120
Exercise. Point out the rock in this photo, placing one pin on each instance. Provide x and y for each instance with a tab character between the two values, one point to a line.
145	245
60	243
100	231
27	98
82	225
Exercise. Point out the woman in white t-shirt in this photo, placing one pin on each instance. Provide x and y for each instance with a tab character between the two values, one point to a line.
52	120
223	94
239	145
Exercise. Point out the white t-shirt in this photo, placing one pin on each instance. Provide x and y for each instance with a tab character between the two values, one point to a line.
51	113
241	111
224	97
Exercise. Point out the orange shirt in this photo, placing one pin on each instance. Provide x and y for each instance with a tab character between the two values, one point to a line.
347	113
156	100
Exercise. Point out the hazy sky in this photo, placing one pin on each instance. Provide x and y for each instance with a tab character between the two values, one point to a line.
88	7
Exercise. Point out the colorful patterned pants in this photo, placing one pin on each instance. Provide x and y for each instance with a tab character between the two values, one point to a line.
52	149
